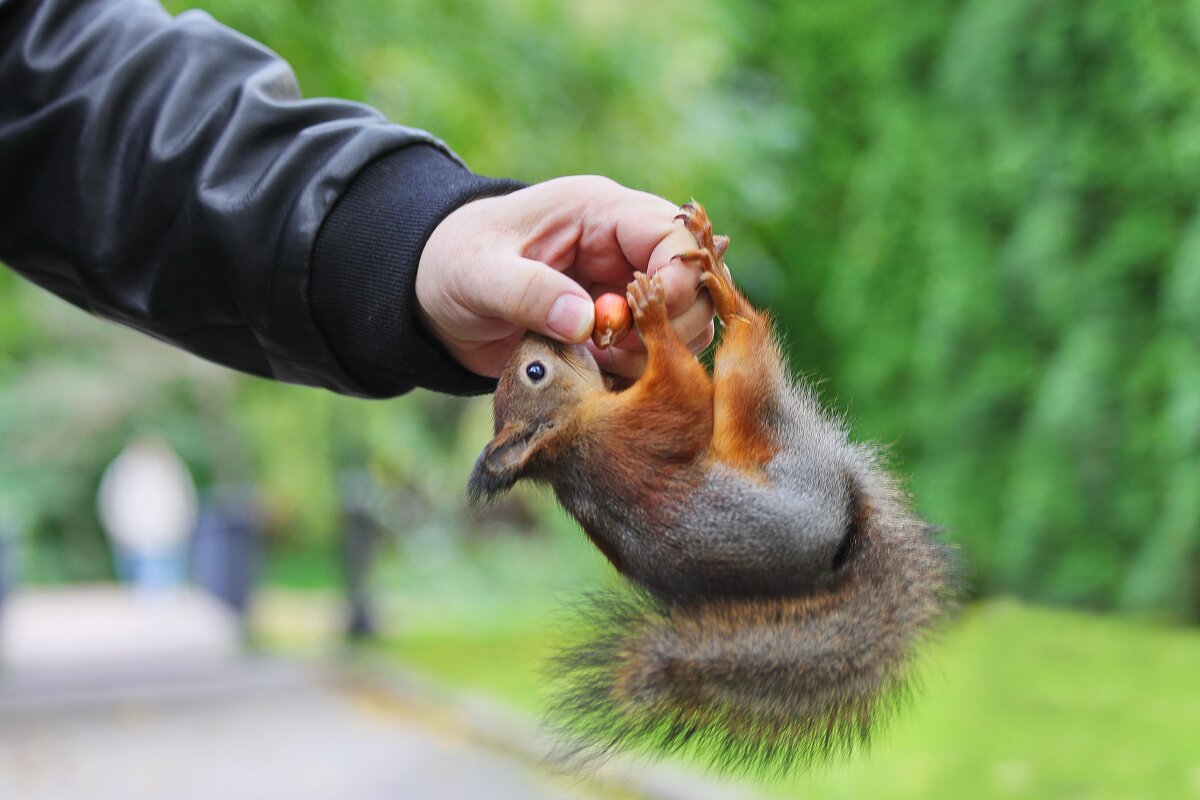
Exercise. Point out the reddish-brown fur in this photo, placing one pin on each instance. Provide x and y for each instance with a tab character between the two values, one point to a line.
675	401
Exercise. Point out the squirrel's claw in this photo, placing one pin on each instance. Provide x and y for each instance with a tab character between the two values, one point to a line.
686	210
695	219
700	258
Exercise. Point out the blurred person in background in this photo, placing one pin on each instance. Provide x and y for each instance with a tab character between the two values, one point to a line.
147	504
163	173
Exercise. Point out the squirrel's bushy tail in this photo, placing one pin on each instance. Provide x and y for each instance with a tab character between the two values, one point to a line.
759	685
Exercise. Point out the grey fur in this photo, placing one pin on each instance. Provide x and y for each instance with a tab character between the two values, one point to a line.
713	529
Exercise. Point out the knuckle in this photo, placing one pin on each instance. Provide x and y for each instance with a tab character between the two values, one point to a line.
517	298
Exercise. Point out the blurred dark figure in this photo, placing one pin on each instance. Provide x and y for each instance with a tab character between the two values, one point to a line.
361	533
358	548
224	557
6	559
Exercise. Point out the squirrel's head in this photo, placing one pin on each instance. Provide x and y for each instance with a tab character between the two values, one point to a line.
537	397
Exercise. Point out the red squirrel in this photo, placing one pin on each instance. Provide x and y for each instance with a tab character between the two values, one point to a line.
780	581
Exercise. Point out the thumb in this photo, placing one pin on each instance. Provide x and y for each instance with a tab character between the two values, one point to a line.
537	297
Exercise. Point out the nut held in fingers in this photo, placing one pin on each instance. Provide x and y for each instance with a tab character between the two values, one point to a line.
613	320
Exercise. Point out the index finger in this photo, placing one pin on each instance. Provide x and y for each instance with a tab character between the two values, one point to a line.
646	230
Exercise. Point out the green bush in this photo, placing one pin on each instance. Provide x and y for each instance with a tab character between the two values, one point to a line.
976	222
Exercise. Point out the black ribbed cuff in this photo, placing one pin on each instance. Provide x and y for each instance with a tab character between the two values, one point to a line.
362	284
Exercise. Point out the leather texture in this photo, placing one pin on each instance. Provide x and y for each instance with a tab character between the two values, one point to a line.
162	172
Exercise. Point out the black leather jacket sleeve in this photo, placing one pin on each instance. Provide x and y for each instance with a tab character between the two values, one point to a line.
164	174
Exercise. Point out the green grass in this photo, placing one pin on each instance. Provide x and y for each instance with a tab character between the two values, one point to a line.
1017	702
507	665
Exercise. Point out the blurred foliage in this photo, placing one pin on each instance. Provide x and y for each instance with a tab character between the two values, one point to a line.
976	221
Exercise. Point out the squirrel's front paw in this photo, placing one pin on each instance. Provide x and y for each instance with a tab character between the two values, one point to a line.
647	300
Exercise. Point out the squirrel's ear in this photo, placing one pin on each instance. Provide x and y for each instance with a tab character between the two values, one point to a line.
503	460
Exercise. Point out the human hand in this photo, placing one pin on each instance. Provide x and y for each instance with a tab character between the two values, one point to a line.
534	259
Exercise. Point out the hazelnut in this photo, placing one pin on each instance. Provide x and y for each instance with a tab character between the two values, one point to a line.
613	320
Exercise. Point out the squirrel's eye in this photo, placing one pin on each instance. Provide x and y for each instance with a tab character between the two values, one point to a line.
536	371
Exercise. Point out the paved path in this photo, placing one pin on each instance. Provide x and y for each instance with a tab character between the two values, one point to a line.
292	736
107	696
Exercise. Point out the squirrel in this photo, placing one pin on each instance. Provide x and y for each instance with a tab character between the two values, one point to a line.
779	581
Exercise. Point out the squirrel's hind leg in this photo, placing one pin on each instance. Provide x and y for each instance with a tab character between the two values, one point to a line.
748	371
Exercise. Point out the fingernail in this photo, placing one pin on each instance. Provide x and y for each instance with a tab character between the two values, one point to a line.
571	317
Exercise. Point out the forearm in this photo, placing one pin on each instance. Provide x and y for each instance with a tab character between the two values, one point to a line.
163	173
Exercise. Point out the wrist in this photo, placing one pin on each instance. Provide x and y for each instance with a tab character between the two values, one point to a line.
362	288
445	247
